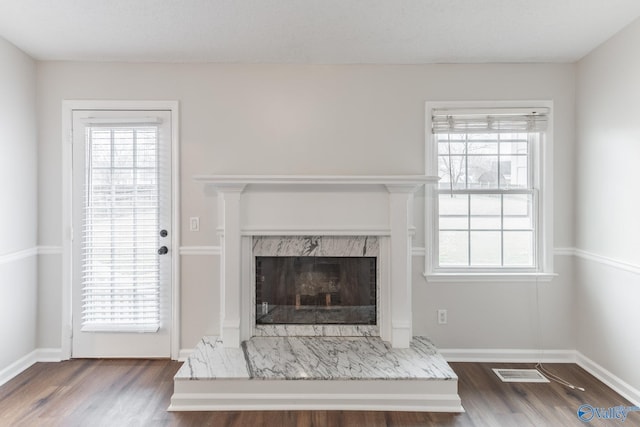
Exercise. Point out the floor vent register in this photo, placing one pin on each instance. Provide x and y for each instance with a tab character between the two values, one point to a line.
520	376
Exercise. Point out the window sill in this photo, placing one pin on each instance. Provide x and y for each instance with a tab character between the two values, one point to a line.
488	277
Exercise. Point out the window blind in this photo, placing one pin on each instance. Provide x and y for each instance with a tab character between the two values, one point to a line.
120	265
489	121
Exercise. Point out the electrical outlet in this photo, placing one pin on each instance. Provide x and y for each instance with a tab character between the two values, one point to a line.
442	317
194	223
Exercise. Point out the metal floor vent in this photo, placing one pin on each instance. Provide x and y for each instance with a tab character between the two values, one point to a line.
520	376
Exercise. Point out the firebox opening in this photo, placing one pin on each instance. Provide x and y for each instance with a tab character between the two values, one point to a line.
311	290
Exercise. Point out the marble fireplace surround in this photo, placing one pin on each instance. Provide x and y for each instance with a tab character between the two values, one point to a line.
318	246
274	207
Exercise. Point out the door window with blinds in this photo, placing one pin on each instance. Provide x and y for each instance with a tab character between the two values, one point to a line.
122	208
120	234
487	200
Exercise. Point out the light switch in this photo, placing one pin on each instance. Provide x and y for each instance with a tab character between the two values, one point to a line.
194	223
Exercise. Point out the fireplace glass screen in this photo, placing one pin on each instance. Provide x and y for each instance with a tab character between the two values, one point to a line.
316	290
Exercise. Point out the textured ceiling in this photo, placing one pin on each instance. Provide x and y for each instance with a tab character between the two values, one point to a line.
313	31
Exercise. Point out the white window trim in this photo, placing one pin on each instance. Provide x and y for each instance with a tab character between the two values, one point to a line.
544	269
68	106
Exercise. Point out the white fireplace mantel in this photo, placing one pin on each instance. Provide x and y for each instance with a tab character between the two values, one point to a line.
222	181
275	205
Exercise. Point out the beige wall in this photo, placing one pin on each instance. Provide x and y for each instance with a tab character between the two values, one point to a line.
313	119
608	207
18	205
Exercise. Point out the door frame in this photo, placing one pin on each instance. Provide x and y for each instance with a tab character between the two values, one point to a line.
68	106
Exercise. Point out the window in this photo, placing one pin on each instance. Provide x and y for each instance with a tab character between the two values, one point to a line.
489	210
121	280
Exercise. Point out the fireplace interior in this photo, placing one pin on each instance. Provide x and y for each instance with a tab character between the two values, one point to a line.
313	290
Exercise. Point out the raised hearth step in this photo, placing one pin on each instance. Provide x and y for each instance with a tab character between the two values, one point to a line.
359	373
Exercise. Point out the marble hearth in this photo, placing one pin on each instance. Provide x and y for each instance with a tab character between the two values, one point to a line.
316	373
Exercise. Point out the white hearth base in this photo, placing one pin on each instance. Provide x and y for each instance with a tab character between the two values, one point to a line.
298	373
280	395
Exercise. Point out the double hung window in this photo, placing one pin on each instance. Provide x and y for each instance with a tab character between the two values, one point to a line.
487	212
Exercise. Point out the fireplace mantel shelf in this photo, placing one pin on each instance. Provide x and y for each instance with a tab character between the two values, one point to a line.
242	180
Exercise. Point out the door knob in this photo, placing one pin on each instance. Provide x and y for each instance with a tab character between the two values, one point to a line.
163	250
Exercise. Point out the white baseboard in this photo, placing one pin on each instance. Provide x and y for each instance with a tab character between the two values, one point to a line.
482	355
184	354
25	362
621	387
18	367
49	355
508	355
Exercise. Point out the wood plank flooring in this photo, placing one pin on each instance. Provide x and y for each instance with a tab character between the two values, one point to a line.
137	392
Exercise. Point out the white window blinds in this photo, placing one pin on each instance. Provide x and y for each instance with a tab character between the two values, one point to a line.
120	265
489	121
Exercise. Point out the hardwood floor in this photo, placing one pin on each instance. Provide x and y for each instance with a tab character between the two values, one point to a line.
137	392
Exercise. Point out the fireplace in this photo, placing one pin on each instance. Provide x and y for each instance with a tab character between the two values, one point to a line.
308	290
316	285
315	216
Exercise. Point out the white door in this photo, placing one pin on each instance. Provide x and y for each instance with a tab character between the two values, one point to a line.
121	290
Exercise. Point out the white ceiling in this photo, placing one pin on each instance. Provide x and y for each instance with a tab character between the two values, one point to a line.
313	31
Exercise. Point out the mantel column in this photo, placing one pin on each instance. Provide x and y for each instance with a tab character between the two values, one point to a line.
400	214
230	268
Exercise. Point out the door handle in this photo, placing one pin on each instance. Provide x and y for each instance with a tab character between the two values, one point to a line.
163	250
